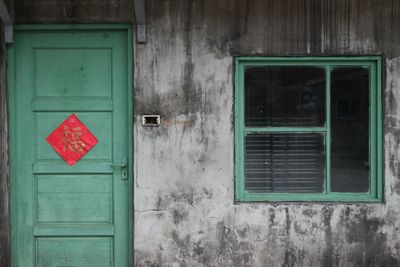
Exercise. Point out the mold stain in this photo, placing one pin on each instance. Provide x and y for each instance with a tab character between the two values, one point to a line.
330	258
370	242
179	216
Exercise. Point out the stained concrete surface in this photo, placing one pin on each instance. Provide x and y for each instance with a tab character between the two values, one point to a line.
185	213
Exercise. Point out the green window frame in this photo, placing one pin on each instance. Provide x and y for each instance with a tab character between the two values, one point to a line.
374	63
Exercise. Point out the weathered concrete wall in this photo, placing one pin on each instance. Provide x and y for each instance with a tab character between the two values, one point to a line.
4	189
185	213
73	11
184	181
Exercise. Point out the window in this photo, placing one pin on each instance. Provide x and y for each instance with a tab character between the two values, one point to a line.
308	129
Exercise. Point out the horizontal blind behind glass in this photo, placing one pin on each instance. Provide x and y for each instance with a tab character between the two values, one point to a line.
284	162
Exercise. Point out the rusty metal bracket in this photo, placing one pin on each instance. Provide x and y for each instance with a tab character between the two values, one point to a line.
140	13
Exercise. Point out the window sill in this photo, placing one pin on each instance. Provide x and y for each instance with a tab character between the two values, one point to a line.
310	197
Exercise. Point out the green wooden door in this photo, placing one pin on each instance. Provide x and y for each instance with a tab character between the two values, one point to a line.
70	215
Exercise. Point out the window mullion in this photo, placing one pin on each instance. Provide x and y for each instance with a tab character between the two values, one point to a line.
327	188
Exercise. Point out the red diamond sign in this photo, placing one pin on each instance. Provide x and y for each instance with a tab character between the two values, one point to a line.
72	140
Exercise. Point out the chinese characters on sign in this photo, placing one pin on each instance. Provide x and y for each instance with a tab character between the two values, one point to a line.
72	140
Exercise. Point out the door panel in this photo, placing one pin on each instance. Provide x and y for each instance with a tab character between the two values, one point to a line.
99	123
89	198
90	78
74	251
70	215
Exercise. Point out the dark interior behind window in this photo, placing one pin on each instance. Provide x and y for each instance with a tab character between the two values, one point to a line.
284	96
350	129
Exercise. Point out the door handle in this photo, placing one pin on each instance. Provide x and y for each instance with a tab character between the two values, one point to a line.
124	167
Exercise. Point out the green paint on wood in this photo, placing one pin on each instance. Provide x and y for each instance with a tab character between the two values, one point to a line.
89	198
63	215
52	64
76	251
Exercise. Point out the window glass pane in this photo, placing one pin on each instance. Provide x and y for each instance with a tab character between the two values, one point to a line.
284	96
350	129
284	162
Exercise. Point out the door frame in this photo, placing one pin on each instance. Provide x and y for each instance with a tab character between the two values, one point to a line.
12	105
